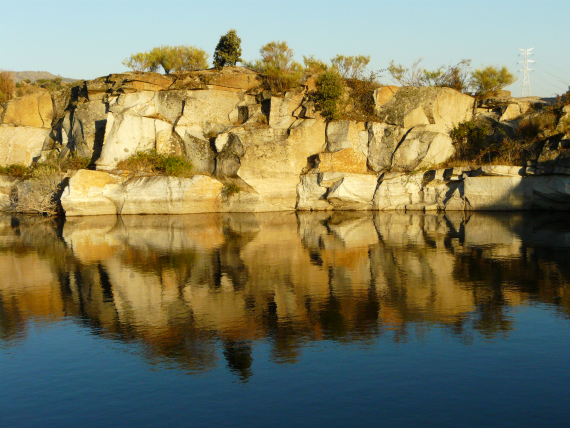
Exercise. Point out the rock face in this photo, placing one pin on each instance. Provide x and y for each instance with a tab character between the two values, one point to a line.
20	145
127	134
34	110
252	150
441	107
101	193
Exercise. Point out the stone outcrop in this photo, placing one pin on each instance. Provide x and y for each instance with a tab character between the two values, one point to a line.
102	193
253	150
20	144
35	110
442	108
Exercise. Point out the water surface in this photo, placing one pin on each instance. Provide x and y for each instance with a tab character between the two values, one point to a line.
285	319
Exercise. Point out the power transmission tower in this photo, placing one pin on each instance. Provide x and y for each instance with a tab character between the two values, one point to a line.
526	79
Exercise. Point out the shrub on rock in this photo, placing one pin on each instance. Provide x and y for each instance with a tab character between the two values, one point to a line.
490	80
279	70
329	94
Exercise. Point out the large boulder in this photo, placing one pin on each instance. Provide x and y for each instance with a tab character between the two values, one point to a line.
383	140
84	195
443	108
336	191
30	110
101	193
495	193
383	95
198	151
352	191
311	195
422	148
86	130
274	159
167	195
397	191
346	134
20	145
135	104
210	107
126	135
345	160
228	161
548	192
282	108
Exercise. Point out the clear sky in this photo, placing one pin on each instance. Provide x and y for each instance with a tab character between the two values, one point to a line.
86	39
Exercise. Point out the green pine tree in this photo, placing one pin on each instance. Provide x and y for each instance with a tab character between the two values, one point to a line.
228	51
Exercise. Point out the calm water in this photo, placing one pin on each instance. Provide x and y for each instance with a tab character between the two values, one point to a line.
282	320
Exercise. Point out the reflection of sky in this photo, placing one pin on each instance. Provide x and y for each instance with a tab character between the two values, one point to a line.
63	376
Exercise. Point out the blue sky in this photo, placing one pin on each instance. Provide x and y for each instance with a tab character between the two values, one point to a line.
87	39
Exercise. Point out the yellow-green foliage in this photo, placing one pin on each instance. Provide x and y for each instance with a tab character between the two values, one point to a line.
170	58
314	65
350	67
450	76
7	86
230	189
26	87
280	71
52	163
490	80
15	170
141	61
157	163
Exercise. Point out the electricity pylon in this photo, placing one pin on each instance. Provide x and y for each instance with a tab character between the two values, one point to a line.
525	92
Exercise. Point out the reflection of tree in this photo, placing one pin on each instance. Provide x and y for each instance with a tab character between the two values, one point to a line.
12	322
341	277
238	357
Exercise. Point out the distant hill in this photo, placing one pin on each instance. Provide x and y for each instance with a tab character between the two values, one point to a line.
35	75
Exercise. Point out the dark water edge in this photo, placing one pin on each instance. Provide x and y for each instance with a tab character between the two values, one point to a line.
305	319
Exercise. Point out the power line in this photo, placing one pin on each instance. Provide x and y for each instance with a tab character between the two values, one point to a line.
525	92
553	75
550	65
544	90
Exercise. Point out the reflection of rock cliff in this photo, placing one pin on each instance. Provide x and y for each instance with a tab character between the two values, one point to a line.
182	284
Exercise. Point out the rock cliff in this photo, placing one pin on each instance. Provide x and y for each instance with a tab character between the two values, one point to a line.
254	151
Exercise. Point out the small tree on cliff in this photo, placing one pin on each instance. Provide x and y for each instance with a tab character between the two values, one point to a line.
490	80
228	51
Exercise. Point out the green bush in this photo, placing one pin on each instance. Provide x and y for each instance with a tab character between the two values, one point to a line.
230	189
141	61
15	170
328	95
52	163
228	50
313	65
476	143
279	70
531	128
490	80
452	76
170	58
350	67
157	163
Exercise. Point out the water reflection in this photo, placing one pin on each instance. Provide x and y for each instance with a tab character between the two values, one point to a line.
181	286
